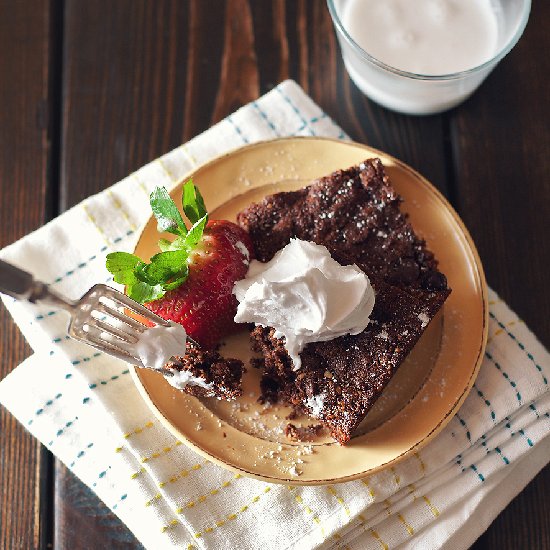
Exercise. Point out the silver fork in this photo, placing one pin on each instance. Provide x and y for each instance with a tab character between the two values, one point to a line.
97	319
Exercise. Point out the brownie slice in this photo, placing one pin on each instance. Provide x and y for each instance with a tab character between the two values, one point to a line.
354	213
205	373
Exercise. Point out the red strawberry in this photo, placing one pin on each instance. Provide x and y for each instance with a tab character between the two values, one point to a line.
204	304
191	280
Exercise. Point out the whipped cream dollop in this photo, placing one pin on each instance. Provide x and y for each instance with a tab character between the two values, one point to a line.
305	295
158	344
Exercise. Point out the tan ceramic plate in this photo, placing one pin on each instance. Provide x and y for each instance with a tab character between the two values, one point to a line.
422	397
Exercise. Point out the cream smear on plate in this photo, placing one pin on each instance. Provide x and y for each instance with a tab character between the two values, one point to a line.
306	296
428	37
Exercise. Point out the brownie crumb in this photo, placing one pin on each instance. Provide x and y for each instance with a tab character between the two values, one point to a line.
269	389
305	433
257	362
296	412
222	377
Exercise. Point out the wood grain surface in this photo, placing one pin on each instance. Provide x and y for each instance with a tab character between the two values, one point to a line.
25	472
91	90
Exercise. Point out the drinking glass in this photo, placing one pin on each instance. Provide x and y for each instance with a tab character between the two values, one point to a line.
419	94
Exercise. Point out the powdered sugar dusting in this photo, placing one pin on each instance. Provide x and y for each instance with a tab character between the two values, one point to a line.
424	319
315	404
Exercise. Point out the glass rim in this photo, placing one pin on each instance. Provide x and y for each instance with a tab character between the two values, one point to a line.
418	76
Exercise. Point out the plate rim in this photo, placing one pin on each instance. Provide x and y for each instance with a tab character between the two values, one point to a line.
453	408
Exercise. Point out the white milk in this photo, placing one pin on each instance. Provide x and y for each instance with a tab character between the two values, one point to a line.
428	38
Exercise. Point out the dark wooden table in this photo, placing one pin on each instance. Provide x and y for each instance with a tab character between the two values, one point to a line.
92	89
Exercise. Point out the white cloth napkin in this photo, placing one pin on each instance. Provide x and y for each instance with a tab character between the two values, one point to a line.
84	407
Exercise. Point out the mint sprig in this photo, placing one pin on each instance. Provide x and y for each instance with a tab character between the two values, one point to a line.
169	268
167	213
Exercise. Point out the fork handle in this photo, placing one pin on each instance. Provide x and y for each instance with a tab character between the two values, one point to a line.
22	285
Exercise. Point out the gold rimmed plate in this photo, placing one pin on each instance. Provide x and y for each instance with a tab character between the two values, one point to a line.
428	388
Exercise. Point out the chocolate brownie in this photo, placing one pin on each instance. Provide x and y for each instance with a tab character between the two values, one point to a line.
356	214
214	375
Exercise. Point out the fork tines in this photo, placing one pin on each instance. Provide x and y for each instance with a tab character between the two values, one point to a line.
103	323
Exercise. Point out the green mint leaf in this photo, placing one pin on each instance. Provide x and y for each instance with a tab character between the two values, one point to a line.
141	273
143	292
179	243
164	267
122	265
195	233
175	283
121	261
165	245
167	213
192	202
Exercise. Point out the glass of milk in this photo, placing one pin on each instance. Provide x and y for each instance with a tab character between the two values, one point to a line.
425	56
